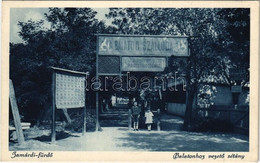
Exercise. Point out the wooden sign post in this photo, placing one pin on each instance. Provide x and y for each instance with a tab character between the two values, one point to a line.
53	126
16	115
68	91
85	108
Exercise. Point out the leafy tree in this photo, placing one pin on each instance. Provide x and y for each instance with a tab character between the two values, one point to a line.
219	39
235	41
69	43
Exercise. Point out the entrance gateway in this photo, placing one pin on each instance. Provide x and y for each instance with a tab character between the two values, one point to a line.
118	54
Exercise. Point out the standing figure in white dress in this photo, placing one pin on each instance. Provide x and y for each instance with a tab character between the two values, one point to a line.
148	119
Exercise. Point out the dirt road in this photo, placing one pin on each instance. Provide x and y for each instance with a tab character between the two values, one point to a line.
120	139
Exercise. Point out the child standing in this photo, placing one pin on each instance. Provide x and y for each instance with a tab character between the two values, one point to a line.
135	115
149	119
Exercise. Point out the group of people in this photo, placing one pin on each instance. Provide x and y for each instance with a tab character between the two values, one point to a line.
136	110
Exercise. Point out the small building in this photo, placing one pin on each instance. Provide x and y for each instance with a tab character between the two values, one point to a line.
209	95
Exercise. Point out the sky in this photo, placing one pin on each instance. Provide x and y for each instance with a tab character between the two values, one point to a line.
25	14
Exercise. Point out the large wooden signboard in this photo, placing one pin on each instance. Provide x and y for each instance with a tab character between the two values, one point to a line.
143	45
137	52
70	91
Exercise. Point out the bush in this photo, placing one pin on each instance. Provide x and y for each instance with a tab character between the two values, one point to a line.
211	124
77	121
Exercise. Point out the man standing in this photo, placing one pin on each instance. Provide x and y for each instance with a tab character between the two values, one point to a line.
135	115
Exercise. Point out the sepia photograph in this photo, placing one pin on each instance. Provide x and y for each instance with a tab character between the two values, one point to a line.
174	80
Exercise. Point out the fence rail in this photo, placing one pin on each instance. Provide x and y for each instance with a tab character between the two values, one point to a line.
238	117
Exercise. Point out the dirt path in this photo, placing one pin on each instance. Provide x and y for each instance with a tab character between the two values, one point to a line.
120	139
171	138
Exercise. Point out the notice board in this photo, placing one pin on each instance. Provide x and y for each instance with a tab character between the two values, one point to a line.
70	91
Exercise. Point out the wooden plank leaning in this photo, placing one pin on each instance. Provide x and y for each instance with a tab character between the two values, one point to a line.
16	115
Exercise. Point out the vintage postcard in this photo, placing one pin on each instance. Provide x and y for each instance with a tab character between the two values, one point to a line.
143	81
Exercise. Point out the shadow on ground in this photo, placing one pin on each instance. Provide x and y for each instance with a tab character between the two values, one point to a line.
59	136
182	141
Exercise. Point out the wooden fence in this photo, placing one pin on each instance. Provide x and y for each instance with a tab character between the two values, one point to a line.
239	116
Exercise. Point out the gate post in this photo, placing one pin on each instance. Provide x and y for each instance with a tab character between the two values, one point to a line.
158	120
97	96
53	127
129	120
97	112
84	120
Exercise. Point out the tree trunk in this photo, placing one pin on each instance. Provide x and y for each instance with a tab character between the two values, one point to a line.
188	113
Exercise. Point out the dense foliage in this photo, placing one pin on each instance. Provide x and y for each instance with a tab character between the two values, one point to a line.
219	40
